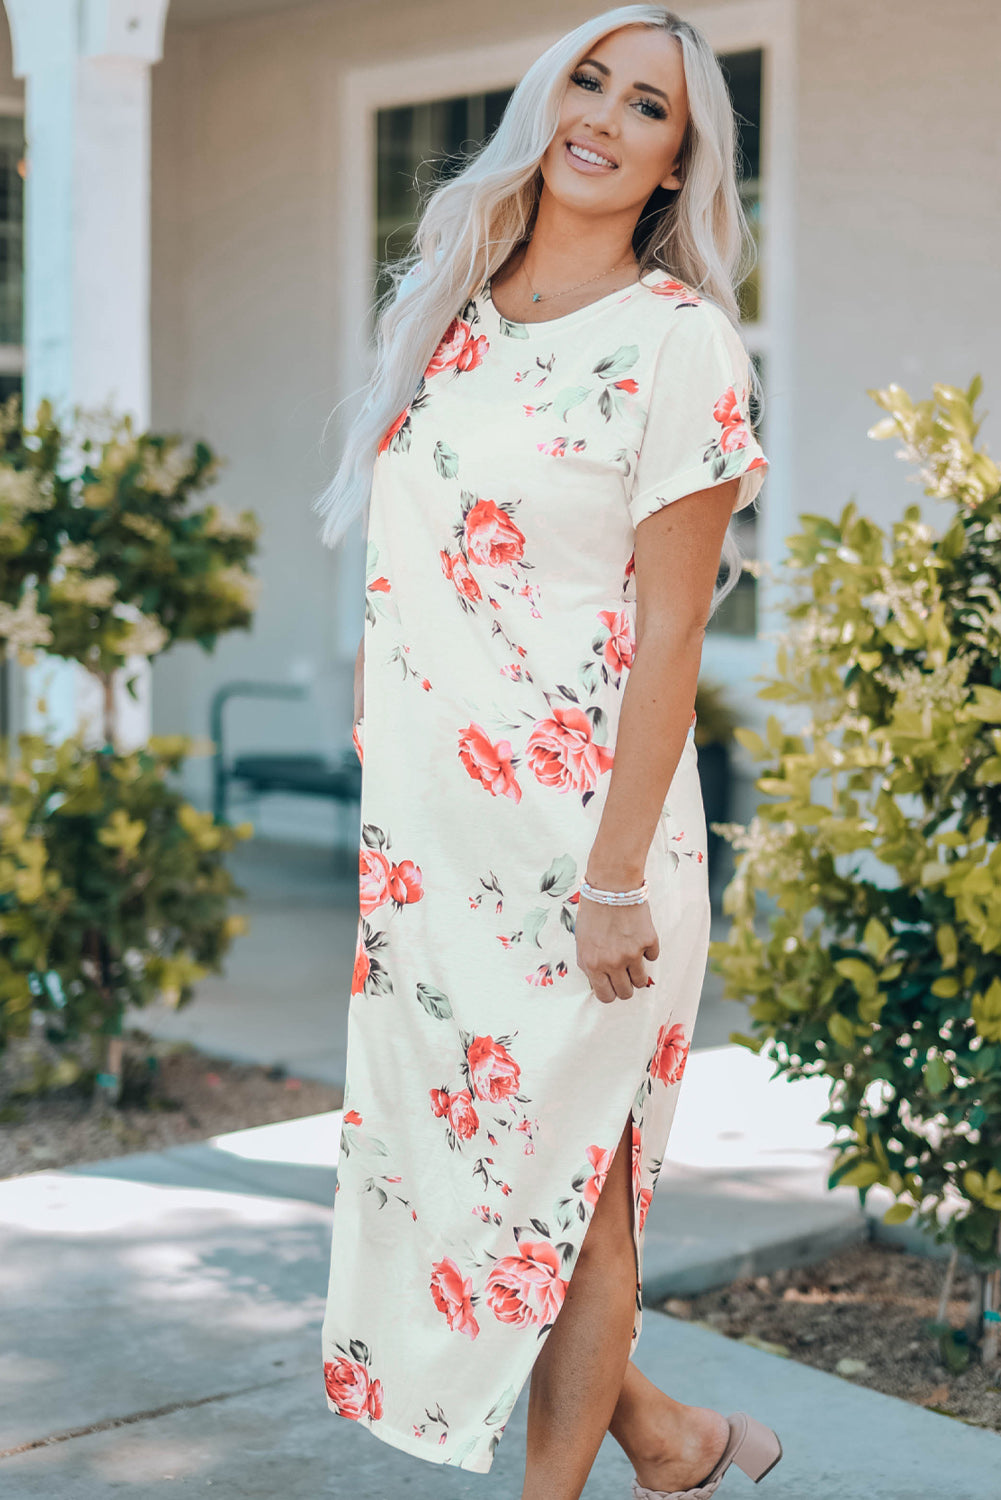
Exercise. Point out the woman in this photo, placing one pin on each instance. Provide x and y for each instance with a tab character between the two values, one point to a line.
550	498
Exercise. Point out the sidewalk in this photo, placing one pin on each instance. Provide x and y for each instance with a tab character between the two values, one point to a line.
161	1329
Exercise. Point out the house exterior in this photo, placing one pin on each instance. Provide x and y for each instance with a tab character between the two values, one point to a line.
206	182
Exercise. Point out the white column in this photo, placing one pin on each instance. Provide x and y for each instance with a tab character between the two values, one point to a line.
86	66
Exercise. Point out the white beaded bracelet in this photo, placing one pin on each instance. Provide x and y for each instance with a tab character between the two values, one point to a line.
615	898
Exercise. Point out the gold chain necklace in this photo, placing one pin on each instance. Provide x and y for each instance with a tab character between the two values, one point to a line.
545	296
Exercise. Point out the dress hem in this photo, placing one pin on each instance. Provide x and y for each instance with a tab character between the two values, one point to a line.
477	1463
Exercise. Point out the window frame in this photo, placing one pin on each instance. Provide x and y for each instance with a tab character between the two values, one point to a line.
12	355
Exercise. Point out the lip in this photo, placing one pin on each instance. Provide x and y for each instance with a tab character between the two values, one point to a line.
588	166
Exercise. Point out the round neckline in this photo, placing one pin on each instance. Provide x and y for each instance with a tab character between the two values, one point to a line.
539	325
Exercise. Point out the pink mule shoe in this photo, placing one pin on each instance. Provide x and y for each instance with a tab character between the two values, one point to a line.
753	1447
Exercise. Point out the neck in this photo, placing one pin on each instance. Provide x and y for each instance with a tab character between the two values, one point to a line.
568	247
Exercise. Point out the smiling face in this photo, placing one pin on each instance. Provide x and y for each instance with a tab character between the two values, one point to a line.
626	102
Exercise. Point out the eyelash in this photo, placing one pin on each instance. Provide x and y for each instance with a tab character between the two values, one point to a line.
659	112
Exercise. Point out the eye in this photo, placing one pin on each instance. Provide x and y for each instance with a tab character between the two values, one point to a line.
585	80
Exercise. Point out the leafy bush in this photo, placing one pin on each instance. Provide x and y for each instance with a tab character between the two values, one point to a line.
113	891
102	554
880	849
113	888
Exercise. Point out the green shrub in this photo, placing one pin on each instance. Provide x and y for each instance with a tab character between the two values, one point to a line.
879	851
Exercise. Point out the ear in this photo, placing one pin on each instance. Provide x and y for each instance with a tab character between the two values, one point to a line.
672	180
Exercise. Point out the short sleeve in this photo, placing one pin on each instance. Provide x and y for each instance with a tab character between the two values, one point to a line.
697	430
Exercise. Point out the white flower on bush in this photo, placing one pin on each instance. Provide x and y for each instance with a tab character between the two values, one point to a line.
223	523
144	636
24	628
74	588
21	493
238	585
163	472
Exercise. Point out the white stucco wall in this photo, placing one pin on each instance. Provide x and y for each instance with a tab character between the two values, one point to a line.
894	275
898	224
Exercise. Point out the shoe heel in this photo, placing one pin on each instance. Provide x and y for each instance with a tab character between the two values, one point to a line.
759	1451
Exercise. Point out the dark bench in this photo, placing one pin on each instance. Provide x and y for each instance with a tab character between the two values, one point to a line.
260	771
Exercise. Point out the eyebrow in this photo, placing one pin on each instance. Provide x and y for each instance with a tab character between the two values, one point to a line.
647	87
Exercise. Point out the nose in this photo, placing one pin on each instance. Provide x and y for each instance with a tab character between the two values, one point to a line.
601	116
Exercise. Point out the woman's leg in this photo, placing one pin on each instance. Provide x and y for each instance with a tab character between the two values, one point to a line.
577	1377
583	1382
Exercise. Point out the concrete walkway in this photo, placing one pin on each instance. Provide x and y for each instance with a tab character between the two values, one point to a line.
161	1330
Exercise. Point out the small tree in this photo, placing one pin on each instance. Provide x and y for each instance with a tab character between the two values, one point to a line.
102	554
113	889
880	851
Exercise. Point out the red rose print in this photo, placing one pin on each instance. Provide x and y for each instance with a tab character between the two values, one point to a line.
350	1389
526	1288
391	431
671	1054
356	741
487	763
453	1296
495	1073
601	1160
735	432
621	645
373	875
458	349
491	536
677	291
457	570
462	1115
380	585
629	386
361	968
637	1157
459	1108
644	1203
562	753
405	882
352	1117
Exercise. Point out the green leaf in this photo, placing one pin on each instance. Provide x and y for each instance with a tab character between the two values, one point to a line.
898	1213
937	1075
841	1030
434	1002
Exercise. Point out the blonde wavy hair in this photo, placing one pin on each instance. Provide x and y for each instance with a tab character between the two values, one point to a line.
472	222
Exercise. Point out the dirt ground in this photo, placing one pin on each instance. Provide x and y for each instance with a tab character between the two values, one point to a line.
172	1095
868	1310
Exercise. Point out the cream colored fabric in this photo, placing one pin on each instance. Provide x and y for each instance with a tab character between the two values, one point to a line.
487	1086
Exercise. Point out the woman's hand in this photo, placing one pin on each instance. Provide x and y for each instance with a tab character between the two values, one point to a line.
612	944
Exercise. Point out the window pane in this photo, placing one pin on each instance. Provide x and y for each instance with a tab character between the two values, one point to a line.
416	146
742	71
11	228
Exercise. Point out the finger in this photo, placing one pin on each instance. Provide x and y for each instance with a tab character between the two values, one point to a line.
652	949
602	987
637	973
621	983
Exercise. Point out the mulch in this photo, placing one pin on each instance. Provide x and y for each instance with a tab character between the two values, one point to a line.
865	1314
172	1095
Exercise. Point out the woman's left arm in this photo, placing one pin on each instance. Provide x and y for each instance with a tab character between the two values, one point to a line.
676	560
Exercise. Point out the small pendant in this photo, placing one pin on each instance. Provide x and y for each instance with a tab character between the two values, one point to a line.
535	296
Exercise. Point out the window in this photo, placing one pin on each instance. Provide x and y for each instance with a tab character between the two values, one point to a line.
12	168
419	144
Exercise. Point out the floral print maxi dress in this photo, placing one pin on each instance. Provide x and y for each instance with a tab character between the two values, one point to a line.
487	1087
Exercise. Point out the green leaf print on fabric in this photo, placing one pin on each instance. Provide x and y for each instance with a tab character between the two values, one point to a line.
446	461
568	399
434	1002
560	877
512	330
614	366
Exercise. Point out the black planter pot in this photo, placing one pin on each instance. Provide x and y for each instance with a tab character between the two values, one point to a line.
715	779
